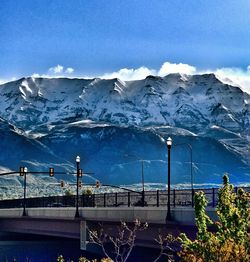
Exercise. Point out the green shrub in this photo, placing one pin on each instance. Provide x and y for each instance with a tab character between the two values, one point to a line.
231	239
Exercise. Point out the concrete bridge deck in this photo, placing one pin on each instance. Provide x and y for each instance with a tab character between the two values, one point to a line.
61	222
154	215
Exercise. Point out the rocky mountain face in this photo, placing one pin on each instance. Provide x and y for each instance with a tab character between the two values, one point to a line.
48	121
194	102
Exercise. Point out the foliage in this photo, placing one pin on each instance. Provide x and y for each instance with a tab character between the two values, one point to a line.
140	203
87	197
68	192
87	191
84	259
60	259
122	244
231	239
165	247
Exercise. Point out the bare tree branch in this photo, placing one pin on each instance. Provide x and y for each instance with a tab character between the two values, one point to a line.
122	244
165	248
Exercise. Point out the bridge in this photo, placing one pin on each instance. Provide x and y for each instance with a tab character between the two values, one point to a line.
61	222
55	215
69	216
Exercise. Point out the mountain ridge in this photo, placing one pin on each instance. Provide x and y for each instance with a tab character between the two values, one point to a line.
102	119
153	100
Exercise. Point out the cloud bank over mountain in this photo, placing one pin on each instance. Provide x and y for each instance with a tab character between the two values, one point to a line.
230	75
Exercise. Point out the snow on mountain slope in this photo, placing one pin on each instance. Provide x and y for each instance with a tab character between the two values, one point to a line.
17	150
104	151
54	119
193	102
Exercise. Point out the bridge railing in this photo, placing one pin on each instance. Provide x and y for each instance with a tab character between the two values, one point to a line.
183	197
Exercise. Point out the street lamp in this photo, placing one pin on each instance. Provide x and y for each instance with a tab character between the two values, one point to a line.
23	172
191	164
189	147
77	184
191	171
142	176
169	144
143	186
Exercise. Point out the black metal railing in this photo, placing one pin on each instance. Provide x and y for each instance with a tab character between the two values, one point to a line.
158	198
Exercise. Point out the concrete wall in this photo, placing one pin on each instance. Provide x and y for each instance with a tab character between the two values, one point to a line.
61	222
49	227
156	215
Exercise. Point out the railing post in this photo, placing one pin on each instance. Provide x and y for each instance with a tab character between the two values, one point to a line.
192	197
116	199
213	196
174	197
143	198
157	197
93	201
128	199
104	199
83	200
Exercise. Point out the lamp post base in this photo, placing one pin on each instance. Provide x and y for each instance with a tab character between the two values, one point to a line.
77	215
24	213
168	217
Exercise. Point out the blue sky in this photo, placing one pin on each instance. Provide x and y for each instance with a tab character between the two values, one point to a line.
99	37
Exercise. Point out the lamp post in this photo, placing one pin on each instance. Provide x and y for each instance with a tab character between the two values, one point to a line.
143	186
77	183
23	172
169	144
191	171
191	162
142	176
191	167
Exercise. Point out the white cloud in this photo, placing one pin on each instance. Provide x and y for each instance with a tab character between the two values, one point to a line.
59	70
170	68
36	75
231	75
3	81
142	72
69	70
130	73
56	69
235	75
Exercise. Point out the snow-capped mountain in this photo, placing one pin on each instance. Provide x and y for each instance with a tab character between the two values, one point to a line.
105	119
194	102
